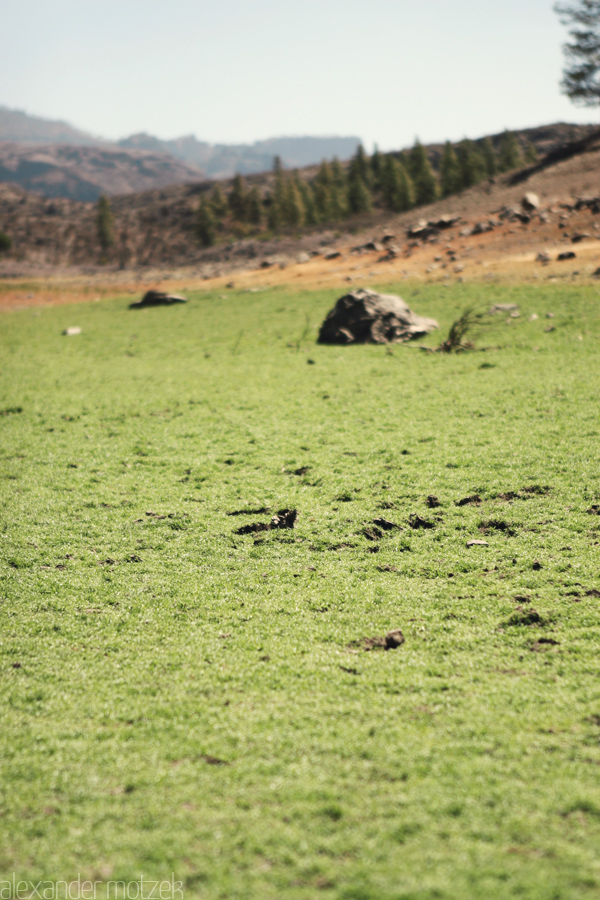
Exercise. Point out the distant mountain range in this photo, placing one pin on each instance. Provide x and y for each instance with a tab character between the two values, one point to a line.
57	160
225	160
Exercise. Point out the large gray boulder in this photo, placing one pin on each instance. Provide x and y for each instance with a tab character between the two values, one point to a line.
366	317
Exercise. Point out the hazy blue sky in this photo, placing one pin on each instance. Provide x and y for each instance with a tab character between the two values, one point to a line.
241	70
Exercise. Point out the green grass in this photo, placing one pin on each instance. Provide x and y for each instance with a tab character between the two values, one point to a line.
176	698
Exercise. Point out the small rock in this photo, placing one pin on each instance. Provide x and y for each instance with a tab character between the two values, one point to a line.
504	308
536	566
533	317
72	331
477	544
482	228
549	315
157	298
303	258
433	502
543	258
335	254
568	254
530	201
577	238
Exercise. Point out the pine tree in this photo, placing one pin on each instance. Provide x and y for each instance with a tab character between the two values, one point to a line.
531	153
294	207
274	215
376	168
581	75
450	182
322	186
338	194
104	223
510	153
238	198
396	185
359	165
218	201
254	208
311	216
205	223
359	196
489	158
423	178
470	163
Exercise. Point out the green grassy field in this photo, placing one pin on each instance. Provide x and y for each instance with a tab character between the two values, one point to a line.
178	698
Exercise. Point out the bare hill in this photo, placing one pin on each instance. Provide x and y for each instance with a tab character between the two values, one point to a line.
20	127
83	173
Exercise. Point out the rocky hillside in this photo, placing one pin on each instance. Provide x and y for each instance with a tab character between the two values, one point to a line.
156	228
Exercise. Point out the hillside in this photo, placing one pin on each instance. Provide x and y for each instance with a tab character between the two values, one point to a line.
83	172
155	229
215	160
20	127
225	160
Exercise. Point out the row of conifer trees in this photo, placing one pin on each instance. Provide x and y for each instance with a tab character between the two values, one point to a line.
393	181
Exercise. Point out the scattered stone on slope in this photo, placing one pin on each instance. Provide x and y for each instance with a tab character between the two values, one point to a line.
157	298
568	254
592	203
543	258
530	201
364	316
72	331
477	544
